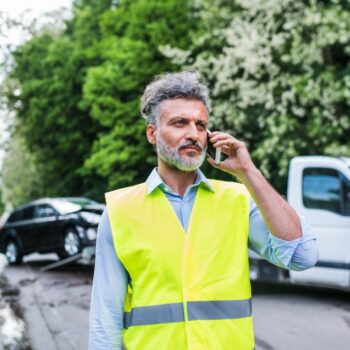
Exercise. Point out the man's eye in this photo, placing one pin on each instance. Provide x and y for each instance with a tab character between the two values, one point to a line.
201	126
179	122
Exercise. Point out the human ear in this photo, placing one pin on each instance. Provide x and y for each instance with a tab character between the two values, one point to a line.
151	131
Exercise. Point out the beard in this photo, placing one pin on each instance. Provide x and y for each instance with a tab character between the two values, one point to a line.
171	155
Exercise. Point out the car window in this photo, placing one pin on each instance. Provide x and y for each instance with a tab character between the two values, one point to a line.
15	216
11	218
44	211
326	189
28	213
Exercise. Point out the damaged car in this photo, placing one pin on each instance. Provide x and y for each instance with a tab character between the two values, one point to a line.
64	225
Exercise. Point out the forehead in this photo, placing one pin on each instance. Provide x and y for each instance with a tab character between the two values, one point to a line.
181	107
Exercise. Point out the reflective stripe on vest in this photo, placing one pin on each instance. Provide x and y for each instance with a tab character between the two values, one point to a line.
197	310
145	315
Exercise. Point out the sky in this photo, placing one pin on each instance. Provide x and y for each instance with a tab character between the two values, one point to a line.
31	9
14	9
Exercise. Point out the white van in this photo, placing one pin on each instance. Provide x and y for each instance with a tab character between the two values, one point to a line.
318	189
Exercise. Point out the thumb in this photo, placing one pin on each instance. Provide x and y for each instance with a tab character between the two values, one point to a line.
211	161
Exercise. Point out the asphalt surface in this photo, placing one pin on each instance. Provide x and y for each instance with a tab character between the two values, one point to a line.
300	318
55	308
54	304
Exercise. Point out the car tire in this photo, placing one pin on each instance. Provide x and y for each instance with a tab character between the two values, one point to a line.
13	252
71	244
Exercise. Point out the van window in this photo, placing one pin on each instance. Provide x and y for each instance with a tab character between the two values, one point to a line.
346	196
326	189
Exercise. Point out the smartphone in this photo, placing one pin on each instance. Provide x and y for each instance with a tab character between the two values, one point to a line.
213	152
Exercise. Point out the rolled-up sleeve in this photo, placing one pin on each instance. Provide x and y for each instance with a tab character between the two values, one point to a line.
108	293
298	254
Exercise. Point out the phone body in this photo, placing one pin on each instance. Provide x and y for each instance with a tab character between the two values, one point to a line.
212	151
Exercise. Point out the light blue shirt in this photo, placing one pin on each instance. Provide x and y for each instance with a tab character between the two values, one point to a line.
111	279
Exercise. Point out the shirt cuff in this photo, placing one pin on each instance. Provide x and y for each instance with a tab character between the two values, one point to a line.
283	250
287	252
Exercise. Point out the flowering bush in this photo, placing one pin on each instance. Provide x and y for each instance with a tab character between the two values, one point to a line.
279	73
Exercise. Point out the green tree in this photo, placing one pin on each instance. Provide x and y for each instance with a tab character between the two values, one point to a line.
279	76
77	91
131	36
49	71
22	177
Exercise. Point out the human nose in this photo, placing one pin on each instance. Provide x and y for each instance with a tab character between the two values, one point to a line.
192	132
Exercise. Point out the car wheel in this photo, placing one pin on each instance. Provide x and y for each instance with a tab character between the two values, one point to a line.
71	243
13	252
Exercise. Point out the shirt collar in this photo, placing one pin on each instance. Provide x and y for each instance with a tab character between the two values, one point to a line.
154	180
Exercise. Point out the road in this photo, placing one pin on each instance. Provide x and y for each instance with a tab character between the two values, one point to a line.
300	318
55	304
55	307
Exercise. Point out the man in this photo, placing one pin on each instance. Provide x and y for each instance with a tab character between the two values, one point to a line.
171	258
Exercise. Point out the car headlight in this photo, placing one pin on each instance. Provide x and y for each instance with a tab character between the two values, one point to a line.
91	233
91	218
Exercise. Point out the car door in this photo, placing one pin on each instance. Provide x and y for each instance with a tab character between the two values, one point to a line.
27	230
46	219
326	205
18	228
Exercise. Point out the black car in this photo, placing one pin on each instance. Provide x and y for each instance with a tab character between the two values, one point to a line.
62	225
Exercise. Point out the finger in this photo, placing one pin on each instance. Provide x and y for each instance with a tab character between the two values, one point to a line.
214	132
226	150
211	161
225	137
228	143
219	136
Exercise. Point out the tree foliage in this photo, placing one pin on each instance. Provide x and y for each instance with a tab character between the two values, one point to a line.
49	71
78	89
278	72
279	76
131	35
21	175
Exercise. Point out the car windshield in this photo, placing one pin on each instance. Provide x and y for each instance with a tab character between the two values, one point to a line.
71	204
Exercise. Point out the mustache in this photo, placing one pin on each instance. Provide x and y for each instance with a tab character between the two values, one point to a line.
192	143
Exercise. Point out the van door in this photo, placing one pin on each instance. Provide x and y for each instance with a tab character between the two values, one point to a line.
325	202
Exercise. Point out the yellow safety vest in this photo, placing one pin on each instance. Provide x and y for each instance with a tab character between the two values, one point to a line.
187	290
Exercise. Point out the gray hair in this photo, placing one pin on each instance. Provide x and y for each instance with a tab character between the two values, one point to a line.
167	86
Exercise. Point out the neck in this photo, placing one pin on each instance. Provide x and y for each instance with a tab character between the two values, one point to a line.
178	180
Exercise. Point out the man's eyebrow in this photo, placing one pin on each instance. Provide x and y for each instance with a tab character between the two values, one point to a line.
186	118
176	117
179	116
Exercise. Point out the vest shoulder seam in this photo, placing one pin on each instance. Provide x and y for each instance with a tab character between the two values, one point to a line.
125	191
229	184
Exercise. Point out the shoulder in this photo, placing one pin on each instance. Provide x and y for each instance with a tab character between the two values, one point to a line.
228	186
126	192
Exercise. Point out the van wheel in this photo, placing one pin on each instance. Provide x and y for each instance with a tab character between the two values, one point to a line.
13	252
71	244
